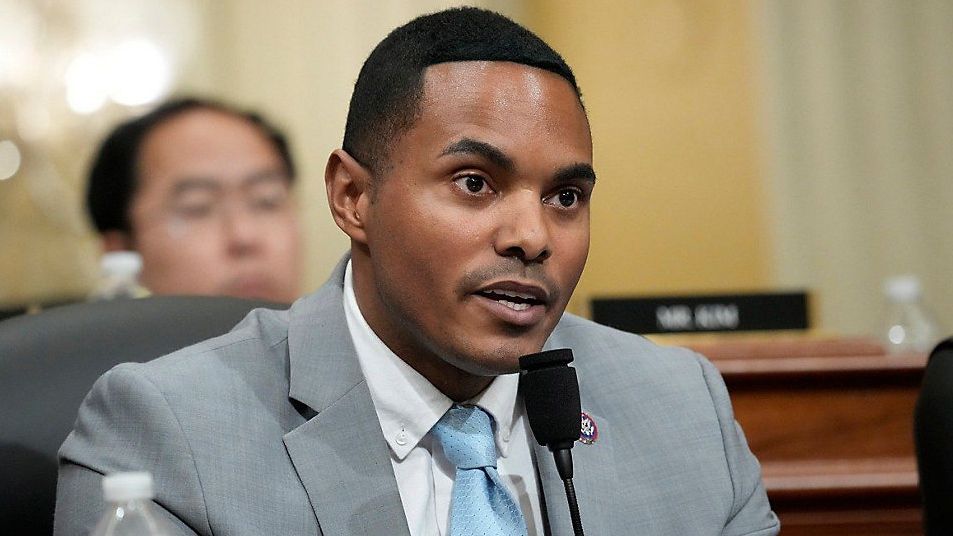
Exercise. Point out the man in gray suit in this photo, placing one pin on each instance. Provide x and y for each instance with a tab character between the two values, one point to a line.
464	184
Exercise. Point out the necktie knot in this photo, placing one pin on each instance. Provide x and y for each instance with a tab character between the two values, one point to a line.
480	503
466	435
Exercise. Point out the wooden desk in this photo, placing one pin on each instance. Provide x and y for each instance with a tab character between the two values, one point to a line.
832	424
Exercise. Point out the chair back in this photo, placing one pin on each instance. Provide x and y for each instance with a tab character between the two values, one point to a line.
49	361
933	431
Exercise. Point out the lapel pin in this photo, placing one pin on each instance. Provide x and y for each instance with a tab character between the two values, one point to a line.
589	432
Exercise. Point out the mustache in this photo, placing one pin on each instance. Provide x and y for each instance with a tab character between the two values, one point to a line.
511	270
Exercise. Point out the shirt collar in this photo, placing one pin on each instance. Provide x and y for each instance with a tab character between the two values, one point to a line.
407	404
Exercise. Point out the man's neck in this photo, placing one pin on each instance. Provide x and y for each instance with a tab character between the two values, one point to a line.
452	381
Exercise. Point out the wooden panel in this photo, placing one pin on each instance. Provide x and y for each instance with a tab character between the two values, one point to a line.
875	477
867	520
794	420
832	424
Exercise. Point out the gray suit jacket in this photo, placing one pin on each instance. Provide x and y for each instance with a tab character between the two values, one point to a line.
270	429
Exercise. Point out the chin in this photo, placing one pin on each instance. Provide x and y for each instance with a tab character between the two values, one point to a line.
500	359
256	290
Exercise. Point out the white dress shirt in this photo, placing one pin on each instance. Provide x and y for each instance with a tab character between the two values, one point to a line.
408	406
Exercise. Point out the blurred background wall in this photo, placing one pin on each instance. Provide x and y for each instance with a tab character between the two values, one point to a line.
858	141
740	145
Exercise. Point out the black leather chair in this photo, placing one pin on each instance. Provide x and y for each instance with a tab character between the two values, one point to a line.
933	430
49	361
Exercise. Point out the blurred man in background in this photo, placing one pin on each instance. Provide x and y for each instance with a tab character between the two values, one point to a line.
203	192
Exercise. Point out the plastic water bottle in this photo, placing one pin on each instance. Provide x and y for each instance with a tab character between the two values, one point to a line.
119	277
130	511
910	327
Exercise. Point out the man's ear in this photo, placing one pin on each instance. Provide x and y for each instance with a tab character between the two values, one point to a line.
349	188
115	240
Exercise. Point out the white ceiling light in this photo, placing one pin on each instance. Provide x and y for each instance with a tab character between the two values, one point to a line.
85	88
9	159
139	73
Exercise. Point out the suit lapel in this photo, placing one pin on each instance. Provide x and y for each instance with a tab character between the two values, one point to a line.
346	469
594	481
340	454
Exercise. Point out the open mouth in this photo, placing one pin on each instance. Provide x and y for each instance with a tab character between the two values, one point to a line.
517	301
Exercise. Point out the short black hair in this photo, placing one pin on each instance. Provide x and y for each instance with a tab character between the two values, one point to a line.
387	94
113	174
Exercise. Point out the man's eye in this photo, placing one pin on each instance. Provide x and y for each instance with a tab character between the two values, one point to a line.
268	196
473	184
269	202
566	198
194	210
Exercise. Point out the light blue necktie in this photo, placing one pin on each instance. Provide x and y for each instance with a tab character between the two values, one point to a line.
479	504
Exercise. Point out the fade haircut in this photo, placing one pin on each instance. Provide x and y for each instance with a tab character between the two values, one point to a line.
388	91
113	177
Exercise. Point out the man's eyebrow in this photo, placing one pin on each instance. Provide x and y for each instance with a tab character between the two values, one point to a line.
576	171
190	184
472	146
195	183
265	176
580	170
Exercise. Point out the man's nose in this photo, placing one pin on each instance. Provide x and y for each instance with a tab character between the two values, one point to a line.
523	231
243	232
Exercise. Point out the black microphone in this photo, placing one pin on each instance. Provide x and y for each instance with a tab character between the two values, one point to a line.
551	396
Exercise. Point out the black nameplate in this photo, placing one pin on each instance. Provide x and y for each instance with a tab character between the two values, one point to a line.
687	314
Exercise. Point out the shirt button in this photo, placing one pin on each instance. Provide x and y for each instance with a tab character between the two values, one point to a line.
401	438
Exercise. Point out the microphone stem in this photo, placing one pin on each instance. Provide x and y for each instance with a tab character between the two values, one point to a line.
562	455
573	507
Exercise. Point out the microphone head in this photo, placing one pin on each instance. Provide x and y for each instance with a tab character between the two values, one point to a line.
551	395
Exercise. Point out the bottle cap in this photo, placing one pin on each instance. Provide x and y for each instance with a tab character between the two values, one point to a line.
903	288
119	487
121	263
